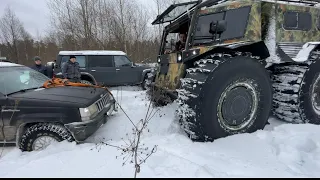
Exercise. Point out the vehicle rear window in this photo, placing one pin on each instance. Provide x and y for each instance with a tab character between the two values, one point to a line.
80	59
100	61
297	21
236	25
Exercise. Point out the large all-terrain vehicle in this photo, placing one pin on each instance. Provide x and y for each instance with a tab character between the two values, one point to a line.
243	60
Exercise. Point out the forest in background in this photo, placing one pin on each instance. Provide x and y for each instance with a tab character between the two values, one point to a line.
86	25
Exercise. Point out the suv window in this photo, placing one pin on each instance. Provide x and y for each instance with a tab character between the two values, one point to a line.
80	59
100	61
120	61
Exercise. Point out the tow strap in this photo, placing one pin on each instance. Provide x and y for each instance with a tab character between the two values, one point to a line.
57	82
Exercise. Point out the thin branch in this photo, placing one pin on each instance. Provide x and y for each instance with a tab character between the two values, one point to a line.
127	115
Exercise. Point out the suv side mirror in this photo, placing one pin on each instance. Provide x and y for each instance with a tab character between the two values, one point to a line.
218	27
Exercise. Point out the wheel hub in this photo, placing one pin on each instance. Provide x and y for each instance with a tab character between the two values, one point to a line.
237	106
315	95
42	142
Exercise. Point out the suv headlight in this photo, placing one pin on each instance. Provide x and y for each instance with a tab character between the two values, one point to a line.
86	113
179	57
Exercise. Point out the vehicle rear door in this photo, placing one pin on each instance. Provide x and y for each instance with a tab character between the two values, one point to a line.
81	59
126	73
2	105
102	68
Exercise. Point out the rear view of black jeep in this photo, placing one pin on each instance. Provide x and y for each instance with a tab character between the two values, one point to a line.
33	116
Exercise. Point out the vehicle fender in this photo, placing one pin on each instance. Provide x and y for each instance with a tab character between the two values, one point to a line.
90	75
144	73
22	120
41	118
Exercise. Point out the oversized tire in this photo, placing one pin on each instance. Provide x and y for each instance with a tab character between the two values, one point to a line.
85	82
297	91
42	132
224	95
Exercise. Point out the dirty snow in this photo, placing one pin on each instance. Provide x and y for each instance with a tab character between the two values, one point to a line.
281	150
271	40
304	53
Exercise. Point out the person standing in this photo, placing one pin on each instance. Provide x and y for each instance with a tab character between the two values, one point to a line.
38	66
71	70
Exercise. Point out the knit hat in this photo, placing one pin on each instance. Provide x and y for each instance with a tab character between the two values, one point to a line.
36	58
72	57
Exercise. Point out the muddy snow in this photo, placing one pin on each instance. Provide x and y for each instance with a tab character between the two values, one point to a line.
281	150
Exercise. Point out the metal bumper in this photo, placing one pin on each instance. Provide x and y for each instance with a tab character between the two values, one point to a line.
82	130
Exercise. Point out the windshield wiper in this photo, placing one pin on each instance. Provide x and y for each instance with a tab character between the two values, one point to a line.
23	90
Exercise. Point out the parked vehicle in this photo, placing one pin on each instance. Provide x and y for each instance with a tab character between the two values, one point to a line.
110	68
4	60
33	116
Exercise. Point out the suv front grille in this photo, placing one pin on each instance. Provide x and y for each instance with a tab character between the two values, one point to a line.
101	103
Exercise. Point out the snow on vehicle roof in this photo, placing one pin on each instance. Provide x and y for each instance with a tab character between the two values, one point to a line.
87	52
7	64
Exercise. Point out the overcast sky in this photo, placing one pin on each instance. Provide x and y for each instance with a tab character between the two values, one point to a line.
34	13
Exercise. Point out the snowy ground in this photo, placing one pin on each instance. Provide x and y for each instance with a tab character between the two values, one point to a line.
281	150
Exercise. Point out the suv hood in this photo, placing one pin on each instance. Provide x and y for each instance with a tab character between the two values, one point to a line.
66	96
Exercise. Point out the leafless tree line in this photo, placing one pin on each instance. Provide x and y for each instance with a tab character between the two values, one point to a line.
86	25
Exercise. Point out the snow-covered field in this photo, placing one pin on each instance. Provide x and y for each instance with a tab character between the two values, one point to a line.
281	150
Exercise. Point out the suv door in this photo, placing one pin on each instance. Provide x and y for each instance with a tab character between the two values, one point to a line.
127	74
81	59
102	69
2	105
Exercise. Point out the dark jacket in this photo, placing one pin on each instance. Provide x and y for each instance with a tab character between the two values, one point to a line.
40	68
180	45
71	70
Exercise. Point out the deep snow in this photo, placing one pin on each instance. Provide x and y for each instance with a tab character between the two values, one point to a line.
281	150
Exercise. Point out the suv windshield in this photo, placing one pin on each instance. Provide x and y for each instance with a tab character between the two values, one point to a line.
15	79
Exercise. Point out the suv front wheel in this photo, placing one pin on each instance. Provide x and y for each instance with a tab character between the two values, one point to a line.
40	136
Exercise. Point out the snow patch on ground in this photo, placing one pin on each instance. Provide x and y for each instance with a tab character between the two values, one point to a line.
281	150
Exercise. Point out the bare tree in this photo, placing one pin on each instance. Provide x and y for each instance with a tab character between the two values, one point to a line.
26	37
62	21
134	151
10	27
92	24
161	5
121	18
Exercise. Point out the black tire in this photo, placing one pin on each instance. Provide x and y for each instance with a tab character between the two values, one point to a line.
203	85
56	131
145	83
85	82
293	85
